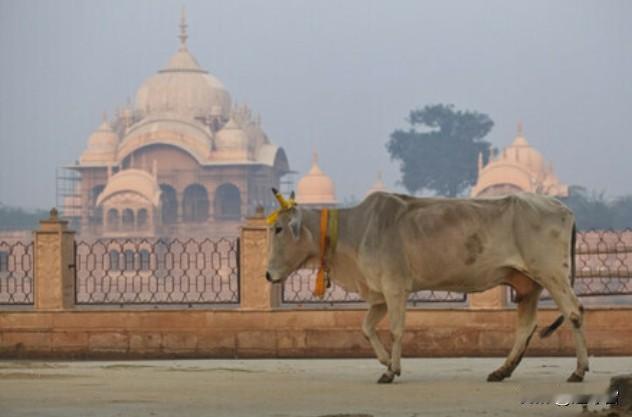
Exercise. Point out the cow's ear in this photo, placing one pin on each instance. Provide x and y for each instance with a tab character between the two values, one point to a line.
295	223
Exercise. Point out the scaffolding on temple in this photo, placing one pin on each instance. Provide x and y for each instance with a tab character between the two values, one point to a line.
68	195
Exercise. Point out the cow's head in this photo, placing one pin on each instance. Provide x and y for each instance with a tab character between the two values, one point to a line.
291	243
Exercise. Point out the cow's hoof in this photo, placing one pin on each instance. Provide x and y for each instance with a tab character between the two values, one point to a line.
386	378
495	376
575	378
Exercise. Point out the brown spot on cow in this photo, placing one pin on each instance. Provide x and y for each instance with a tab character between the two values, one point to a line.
555	233
474	247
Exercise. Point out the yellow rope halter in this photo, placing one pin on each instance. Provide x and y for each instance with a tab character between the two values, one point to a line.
285	205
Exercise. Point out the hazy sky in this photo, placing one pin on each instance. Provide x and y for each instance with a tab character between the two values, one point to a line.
335	75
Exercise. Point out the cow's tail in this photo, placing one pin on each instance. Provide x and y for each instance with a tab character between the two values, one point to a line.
547	331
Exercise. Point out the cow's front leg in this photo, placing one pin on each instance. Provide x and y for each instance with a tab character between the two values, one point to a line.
396	304
375	314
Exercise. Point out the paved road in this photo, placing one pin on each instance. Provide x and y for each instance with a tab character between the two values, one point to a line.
290	388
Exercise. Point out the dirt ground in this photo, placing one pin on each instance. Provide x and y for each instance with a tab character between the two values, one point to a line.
293	388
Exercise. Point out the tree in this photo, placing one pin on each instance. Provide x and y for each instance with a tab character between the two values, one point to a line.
12	218
439	152
622	212
593	211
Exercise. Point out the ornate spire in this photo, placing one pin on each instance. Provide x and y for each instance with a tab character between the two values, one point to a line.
520	128
183	30
314	157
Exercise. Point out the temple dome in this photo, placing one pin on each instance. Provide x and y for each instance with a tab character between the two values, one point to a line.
134	181
102	146
519	167
231	142
522	153
315	188
378	185
183	87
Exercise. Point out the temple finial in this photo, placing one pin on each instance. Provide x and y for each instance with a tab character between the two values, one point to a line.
314	157
183	30
520	128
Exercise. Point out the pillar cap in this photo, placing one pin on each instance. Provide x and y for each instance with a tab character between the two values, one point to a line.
53	223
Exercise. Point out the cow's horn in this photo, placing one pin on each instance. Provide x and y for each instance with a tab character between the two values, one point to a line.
282	201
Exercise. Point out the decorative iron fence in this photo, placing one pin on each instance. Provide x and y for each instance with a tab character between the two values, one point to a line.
603	265
16	273
603	260
157	271
298	288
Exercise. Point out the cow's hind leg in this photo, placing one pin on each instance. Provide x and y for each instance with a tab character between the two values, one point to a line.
572	311
374	315
528	295
396	304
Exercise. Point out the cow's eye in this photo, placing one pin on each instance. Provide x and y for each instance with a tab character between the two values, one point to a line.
277	230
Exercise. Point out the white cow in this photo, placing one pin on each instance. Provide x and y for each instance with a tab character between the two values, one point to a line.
392	245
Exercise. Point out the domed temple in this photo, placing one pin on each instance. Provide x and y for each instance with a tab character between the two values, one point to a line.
378	185
183	159
518	167
316	189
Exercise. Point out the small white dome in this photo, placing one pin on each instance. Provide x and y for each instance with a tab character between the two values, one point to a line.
102	145
316	188
134	181
378	185
231	142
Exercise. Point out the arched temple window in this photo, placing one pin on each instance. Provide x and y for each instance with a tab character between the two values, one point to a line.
228	202
113	219
195	204
141	219
169	204
128	218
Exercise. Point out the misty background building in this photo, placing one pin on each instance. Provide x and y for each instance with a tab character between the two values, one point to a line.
182	159
518	167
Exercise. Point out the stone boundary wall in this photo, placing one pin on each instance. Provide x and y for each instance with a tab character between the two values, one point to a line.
259	327
290	334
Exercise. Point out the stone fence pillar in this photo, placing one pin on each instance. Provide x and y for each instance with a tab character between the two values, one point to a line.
495	298
256	292
54	273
